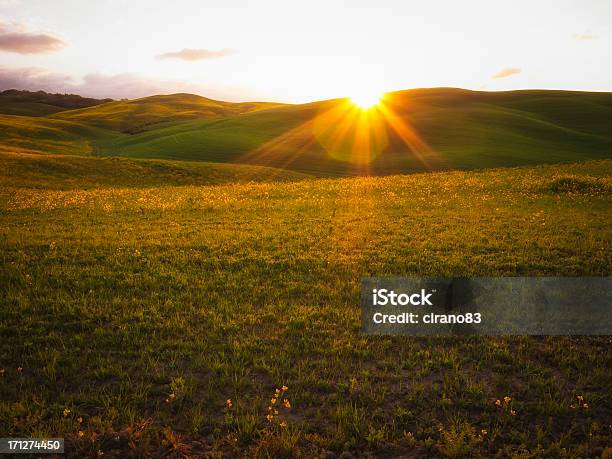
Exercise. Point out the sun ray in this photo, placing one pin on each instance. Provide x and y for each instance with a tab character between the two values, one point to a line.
298	140
408	135
347	133
350	134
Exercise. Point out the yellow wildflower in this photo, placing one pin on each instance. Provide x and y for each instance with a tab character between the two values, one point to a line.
66	412
286	403
498	402
229	403
507	399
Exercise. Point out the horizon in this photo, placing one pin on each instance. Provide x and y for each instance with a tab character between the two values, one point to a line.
33	90
269	51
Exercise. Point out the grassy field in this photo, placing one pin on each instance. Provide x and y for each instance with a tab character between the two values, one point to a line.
62	172
149	319
415	130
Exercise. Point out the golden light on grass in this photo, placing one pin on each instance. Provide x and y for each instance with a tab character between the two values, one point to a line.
356	131
351	134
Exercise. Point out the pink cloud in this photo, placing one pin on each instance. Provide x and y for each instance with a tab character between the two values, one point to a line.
33	78
16	40
187	54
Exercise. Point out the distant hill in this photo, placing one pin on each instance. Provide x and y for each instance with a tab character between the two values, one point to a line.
79	131
424	129
131	116
41	103
413	130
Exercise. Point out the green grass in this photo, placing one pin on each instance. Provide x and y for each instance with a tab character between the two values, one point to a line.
44	135
139	114
62	172
139	293
141	310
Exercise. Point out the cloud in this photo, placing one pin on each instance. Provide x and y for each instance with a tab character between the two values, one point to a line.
119	86
585	36
16	39
32	78
188	54
505	73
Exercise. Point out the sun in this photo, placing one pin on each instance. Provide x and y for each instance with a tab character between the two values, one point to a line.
366	100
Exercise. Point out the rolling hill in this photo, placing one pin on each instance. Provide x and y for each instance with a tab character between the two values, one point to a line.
39	134
136	115
41	103
417	130
78	131
413	130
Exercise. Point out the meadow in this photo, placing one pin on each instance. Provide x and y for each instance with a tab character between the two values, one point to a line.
149	309
179	277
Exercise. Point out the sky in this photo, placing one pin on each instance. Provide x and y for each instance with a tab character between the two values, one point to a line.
299	51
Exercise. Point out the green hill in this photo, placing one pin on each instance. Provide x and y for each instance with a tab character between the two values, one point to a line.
50	136
135	115
414	130
79	131
41	103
